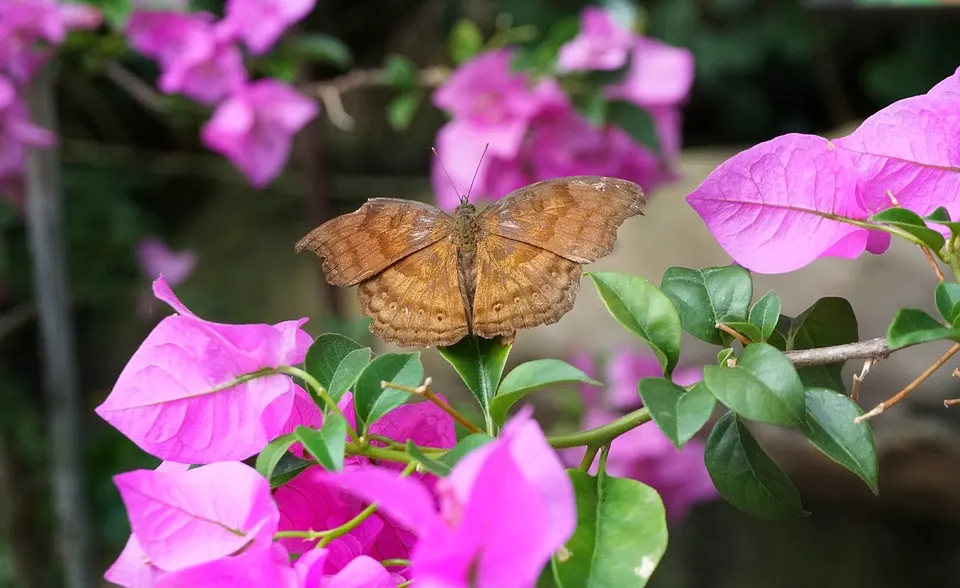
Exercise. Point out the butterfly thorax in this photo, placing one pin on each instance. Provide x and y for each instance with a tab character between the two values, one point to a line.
467	234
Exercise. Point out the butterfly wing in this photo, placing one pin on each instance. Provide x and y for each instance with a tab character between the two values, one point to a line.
520	286
575	217
361	244
417	301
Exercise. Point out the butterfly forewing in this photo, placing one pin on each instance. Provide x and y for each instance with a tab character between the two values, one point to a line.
357	246
416	302
575	217
520	286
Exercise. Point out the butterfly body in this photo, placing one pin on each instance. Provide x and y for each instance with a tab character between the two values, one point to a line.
427	278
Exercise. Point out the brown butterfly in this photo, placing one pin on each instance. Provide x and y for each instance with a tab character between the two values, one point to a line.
429	279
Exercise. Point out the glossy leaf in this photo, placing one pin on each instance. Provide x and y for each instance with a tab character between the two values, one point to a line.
941	216
724	355
325	355
947	296
431	465
530	376
643	310
348	371
269	457
763	386
765	313
703	297
910	222
679	412
746	476
745	328
327	444
464	447
621	534
371	400
289	467
829	321
402	109
830	427
911	326
637	122
479	362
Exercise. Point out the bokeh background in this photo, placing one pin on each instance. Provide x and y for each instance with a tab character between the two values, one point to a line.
135	176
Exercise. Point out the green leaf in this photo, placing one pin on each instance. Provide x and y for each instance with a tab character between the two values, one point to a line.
910	222
911	326
592	106
402	109
677	411
620	537
747	329
325	355
465	41
348	371
115	12
725	354
479	362
947	295
289	467
637	122
530	376
318	48
401	72
703	297
643	310
464	447
328	443
431	465
765	313
763	386
269	456
371	400
942	217
746	476
542	57
829	321
830	428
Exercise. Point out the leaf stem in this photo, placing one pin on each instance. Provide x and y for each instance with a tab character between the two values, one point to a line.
601	435
348	526
321	393
395	563
878	409
588	458
732	332
933	263
377	453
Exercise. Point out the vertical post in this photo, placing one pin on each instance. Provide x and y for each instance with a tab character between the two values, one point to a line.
57	347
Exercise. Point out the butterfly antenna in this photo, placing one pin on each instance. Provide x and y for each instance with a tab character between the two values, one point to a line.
444	168
479	163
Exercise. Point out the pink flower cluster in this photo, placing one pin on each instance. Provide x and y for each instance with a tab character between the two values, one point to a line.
254	121
645	453
29	29
532	128
495	520
778	206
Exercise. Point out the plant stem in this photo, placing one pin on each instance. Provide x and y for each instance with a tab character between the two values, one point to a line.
347	526
933	263
377	453
730	331
588	458
601	435
869	349
424	390
395	563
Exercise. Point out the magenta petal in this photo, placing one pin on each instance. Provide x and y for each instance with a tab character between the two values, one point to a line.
201	515
296	341
163	292
304	412
309	567
310	501
256	568
402	499
362	572
766	205
133	569
909	150
949	87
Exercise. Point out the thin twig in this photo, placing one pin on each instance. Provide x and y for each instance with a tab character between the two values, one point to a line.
424	390
933	263
858	378
138	89
331	92
910	387
732	332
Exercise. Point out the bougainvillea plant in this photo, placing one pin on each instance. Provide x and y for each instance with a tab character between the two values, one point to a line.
300	461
